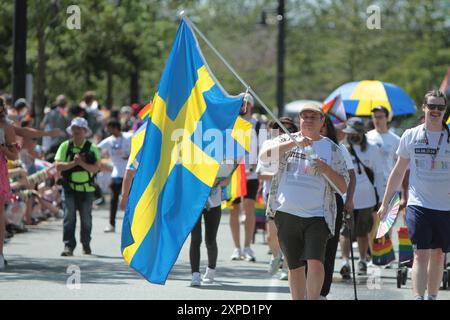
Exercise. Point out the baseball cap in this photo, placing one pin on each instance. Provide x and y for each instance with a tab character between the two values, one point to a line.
355	125
311	107
381	108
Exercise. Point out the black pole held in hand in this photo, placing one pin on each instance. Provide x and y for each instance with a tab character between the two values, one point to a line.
347	218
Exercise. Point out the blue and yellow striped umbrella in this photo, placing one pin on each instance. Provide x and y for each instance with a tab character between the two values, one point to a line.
360	97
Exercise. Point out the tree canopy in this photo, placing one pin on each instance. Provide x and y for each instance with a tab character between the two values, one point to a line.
328	43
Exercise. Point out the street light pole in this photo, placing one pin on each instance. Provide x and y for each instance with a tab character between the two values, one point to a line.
280	62
20	49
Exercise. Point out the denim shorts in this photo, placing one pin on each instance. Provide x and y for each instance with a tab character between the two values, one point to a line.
428	228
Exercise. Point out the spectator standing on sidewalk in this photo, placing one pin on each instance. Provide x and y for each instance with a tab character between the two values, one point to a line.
8	150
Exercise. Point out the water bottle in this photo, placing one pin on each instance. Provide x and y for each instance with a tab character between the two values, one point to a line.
311	157
310	153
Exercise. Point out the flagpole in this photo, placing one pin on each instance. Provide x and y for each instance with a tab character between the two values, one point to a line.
274	117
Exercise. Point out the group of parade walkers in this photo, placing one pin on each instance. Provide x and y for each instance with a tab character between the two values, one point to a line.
326	184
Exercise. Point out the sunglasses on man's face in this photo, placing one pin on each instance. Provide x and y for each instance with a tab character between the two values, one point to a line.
439	107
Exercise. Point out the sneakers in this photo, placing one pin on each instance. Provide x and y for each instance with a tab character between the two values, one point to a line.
274	264
208	277
236	254
2	262
68	252
323	298
345	271
362	268
100	201
110	228
196	279
284	274
249	255
431	297
87	249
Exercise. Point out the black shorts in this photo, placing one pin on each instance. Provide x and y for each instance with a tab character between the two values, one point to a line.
252	190
361	223
301	239
428	228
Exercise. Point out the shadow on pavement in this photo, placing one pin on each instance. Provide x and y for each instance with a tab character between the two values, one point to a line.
55	270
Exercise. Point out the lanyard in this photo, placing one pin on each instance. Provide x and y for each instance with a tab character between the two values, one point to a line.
433	156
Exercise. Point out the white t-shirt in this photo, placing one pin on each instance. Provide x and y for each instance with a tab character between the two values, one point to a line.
429	185
119	150
364	196
215	197
266	168
347	157
388	144
301	191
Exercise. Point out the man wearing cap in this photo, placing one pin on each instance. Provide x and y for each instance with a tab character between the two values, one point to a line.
303	201
425	149
77	160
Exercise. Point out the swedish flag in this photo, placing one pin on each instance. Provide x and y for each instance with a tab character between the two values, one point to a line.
176	171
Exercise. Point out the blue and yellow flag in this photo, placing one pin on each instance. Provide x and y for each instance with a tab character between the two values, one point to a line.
177	165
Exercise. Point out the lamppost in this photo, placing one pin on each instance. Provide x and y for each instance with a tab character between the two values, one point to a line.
20	49
280	59
280	53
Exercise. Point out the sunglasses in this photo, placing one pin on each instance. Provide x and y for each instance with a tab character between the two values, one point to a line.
440	107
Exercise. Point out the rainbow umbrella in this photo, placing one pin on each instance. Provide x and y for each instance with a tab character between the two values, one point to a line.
360	97
448	121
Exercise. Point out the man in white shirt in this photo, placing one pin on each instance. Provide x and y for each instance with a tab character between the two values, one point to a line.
117	147
302	199
425	149
386	140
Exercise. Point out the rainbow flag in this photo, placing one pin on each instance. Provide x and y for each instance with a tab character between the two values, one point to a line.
237	187
448	121
145	112
260	208
406	252
445	85
335	109
383	251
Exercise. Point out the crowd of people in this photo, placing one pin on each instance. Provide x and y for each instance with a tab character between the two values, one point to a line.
79	152
325	184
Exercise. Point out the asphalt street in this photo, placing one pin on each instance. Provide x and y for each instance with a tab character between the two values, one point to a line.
37	271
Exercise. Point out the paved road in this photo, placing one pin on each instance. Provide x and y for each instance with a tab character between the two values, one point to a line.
36	271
